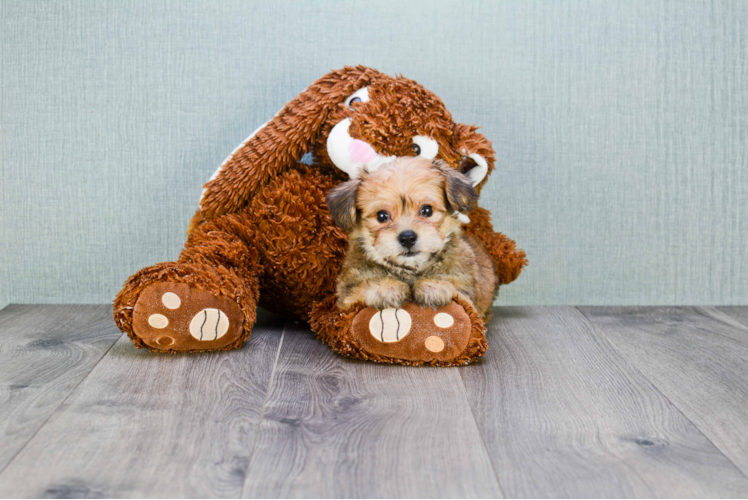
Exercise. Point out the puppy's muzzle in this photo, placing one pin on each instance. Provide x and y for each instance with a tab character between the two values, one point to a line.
407	239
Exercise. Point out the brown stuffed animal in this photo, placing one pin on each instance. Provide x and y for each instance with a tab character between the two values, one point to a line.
262	235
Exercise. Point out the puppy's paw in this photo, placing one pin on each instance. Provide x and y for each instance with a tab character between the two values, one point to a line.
386	293
433	293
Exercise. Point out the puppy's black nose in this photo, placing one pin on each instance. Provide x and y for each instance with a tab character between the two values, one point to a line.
407	238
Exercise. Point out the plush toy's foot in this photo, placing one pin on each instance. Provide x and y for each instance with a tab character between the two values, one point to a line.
176	317
412	335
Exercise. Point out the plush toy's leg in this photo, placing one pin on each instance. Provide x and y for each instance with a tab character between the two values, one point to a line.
508	260
204	301
452	335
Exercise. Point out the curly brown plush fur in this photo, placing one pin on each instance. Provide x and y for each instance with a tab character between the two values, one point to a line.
263	235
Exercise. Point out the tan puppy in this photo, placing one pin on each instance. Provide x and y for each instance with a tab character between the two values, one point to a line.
405	238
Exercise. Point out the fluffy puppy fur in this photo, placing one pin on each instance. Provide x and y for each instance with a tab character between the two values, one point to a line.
405	238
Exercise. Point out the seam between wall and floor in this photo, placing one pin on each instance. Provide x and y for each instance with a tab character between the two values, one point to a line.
657	388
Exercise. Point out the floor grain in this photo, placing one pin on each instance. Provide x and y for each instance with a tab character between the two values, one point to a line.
739	313
639	402
45	352
697	357
336	427
152	425
564	415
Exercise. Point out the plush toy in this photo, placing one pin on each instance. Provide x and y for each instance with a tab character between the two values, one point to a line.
262	235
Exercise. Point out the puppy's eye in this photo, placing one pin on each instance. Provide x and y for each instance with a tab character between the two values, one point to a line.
417	149
355	99
383	216
427	211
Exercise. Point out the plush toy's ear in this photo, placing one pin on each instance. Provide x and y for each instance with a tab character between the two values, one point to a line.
458	188
278	144
341	202
478	154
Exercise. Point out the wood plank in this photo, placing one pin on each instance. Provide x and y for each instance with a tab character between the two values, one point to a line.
697	357
155	425
336	427
45	352
739	313
564	415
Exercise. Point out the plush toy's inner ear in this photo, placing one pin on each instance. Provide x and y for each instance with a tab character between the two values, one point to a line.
466	165
475	167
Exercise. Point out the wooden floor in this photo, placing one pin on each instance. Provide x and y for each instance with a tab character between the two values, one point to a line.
568	402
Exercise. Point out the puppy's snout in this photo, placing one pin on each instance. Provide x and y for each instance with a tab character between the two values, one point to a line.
407	238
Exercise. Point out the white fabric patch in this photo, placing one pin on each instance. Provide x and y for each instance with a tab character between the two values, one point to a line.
338	149
462	217
209	324
171	300
165	341
477	173
429	147
444	320
231	156
158	321
362	93
236	149
390	325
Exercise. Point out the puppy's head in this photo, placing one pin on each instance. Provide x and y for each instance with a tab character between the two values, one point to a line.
403	214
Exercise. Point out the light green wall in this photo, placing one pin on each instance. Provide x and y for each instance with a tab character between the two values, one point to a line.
621	129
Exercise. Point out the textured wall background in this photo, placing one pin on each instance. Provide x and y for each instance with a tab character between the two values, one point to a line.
621	128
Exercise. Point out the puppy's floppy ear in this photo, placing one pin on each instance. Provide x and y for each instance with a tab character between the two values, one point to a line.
458	188
341	202
279	144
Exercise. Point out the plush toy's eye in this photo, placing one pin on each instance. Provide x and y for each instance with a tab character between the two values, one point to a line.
361	95
425	146
383	216
427	211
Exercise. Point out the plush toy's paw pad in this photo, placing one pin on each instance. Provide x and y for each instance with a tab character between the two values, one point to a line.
209	324
177	317
390	325
413	333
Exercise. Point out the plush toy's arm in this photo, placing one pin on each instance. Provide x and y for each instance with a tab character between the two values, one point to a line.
508	260
277	145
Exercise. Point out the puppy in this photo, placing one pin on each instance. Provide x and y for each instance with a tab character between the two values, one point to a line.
405	238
